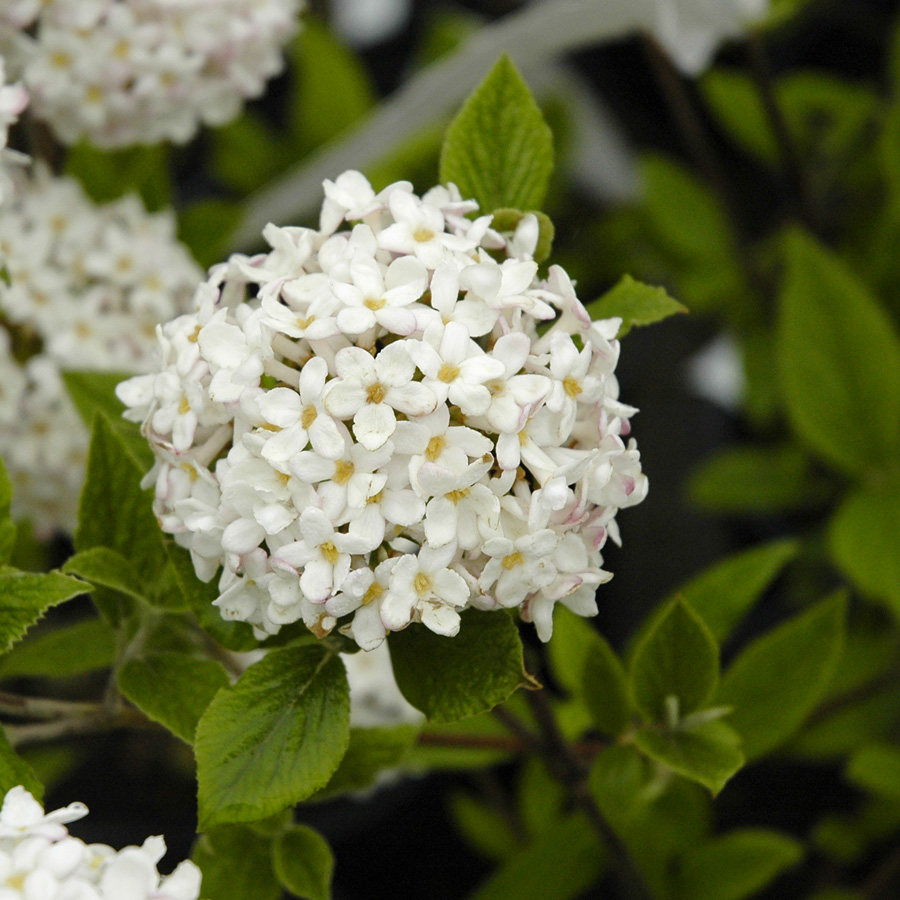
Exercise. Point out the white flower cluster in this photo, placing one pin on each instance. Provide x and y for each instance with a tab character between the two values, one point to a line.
83	289
40	860
391	418
13	99
122	72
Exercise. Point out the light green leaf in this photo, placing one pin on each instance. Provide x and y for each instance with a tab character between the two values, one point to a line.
172	688
735	101
95	392
62	652
507	220
635	303
864	540
5	491
604	688
723	594
205	227
247	153
274	738
107	175
106	568
560	865
304	863
484	827
498	149
876	768
113	511
370	752
751	480
573	640
838	354
14	770
677	658
8	535
708	754
778	679
25	597
453	678
736	865
236	864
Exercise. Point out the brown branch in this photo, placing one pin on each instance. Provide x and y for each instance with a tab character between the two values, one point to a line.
38	732
43	707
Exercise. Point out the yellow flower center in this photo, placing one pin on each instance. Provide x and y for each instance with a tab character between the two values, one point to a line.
513	560
309	416
448	372
422	235
455	496
422	583
184	407
571	386
435	447
375	393
343	471
374	304
330	552
373	593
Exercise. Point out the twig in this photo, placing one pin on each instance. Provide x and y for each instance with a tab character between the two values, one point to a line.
38	732
43	707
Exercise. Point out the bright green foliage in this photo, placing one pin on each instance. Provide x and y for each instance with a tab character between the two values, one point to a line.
768	706
635	303
274	738
172	688
109	174
236	864
487	829
678	658
62	652
827	320
864	540
24	598
755	480
451	679
876	768
736	865
498	149
562	863
370	751
708	753
303	863
107	568
604	688
724	593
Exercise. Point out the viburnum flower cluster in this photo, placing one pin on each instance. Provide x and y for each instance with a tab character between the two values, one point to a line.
40	860
83	288
388	420
13	99
123	72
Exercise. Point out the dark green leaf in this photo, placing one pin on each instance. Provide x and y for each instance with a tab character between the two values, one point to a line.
736	865
484	827
876	768
109	174
604	688
507	220
94	392
561	864
735	101
678	658
172	689
304	863
778	679
864	540
635	303
708	754
205	227
542	799
14	770
827	319
247	153
453	678
479	731
24	598
498	149
236	865
5	491
62	652
8	536
106	568
274	738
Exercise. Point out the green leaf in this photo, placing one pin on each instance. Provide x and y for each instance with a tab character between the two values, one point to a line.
109	174
453	678
114	512
838	354
24	598
734	99
370	752
247	153
635	303
864	540
507	220
333	88
172	689
94	392
736	865
677	658
498	149
561	864
5	491
468	746
876	768
723	594
752	480
778	679
274	738
205	227
484	827
708	754
304	863
106	568
604	688
14	770
62	652
8	536
573	640
236	864
200	596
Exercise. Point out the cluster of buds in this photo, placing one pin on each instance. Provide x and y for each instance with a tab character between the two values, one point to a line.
84	287
390	419
143	71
